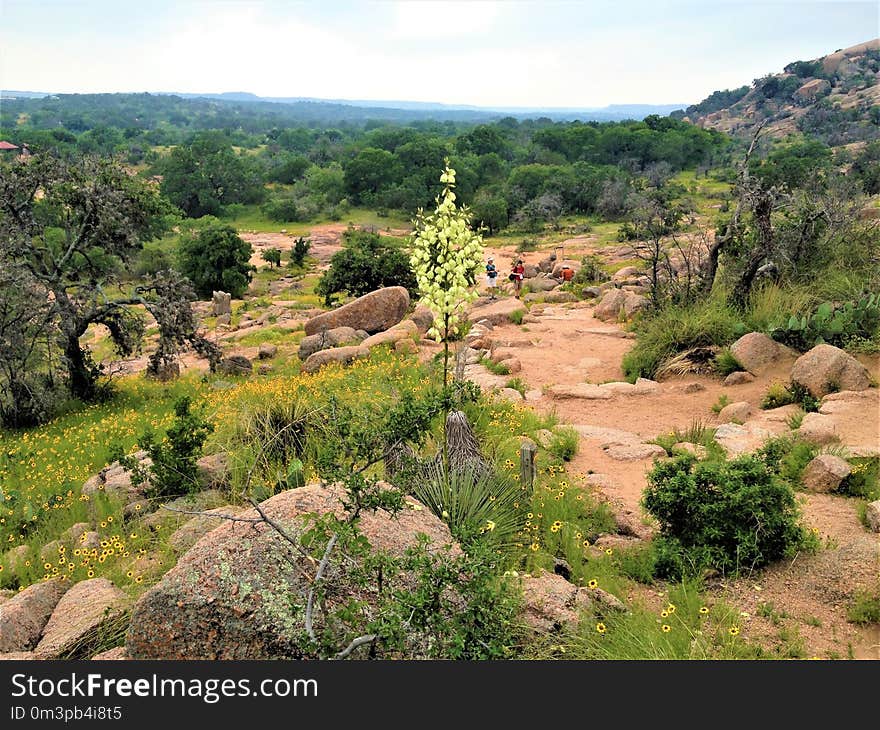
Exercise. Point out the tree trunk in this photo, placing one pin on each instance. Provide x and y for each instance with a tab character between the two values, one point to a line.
80	379
762	211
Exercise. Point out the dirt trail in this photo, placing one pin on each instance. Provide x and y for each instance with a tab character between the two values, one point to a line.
805	600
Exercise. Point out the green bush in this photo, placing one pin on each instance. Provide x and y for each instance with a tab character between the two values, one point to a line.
283	210
590	272
497	368
215	258
864	480
366	263
865	609
725	363
299	251
173	472
730	516
779	395
272	256
517	316
564	442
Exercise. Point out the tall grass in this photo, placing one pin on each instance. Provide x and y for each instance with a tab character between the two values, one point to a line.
677	328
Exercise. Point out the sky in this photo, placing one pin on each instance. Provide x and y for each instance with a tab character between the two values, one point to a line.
515	53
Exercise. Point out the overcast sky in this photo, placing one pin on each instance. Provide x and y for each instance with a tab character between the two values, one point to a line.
514	53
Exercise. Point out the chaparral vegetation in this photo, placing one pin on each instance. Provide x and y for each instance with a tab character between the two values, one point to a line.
257	403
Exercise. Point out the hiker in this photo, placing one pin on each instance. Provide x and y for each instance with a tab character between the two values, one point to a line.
517	275
491	277
567	274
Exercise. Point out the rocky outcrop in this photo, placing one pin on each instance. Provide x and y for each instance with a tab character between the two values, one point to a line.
221	303
826	368
117	481
79	618
825	473
23	617
423	318
617	304
552	297
818	429
738	412
740	377
542	284
213	471
267	351
872	515
499	312
336	337
240	592
758	353
190	532
235	365
372	312
342	355
550	602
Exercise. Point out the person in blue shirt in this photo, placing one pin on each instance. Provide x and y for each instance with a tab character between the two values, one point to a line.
491	277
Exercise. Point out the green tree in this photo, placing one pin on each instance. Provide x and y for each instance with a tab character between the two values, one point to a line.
365	264
202	177
272	256
490	211
368	173
215	258
71	230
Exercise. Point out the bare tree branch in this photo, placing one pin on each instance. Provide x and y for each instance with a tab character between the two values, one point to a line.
359	641
322	566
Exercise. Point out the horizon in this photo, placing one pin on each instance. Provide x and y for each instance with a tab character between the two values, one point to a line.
529	55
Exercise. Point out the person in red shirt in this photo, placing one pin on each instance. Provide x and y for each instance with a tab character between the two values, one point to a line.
517	275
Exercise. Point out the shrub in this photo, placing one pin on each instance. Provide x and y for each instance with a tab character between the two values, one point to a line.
517	384
864	480
725	363
719	405
216	258
173	472
299	251
779	394
865	609
591	271
564	443
517	316
495	367
365	264
726	515
272	256
476	506
526	244
283	210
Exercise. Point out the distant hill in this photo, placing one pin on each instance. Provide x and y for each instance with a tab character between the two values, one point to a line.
309	109
835	98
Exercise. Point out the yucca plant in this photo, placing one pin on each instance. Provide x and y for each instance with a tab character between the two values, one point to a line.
477	505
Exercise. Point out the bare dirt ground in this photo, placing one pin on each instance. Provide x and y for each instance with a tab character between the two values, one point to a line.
806	598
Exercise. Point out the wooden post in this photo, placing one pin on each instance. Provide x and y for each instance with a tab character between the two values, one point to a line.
527	468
